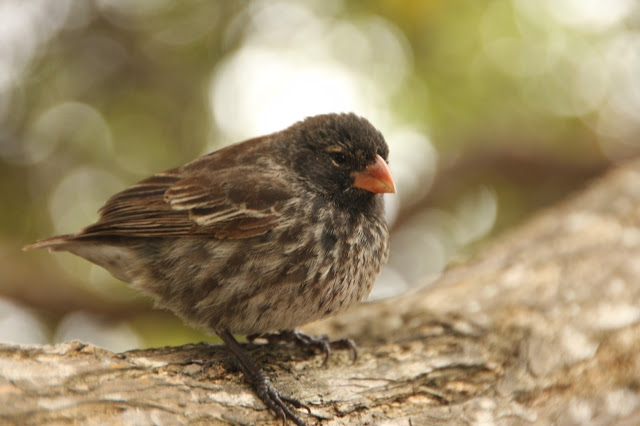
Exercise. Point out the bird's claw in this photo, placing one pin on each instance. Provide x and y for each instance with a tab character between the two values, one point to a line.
277	401
304	340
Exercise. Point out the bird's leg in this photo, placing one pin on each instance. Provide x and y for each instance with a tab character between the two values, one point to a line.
262	384
303	340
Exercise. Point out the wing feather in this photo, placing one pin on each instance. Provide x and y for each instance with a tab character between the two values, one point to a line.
230	202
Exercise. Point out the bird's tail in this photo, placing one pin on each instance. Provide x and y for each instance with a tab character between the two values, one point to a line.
53	243
113	258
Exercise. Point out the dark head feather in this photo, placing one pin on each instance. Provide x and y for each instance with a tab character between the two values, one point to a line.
326	149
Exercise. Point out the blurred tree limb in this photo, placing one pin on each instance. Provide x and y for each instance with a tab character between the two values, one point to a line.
543	327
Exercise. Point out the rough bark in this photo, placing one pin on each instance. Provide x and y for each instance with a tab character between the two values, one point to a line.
542	327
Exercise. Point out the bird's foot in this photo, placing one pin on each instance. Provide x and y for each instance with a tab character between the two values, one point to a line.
276	401
304	340
272	398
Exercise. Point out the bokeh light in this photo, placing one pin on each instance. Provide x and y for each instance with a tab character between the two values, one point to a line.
328	64
21	325
90	328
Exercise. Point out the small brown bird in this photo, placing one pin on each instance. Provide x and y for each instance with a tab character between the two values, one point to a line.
257	238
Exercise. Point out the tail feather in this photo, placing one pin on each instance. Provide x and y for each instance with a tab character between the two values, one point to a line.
120	260
53	243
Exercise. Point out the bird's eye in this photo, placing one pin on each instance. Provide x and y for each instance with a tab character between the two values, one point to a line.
338	158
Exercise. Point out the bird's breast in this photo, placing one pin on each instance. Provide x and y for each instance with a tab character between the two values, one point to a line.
353	251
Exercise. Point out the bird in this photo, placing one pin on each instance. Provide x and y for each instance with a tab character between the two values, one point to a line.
256	238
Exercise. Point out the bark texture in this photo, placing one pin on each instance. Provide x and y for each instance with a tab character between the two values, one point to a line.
542	327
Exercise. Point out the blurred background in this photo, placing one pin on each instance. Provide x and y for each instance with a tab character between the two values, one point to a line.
492	110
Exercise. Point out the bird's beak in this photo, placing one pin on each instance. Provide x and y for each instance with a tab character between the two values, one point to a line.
375	178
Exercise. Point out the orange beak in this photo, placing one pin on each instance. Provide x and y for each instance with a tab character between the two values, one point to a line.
374	178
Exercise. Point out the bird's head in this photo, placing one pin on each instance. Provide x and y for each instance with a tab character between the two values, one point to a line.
343	157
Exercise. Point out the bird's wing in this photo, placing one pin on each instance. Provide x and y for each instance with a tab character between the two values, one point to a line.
236	202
